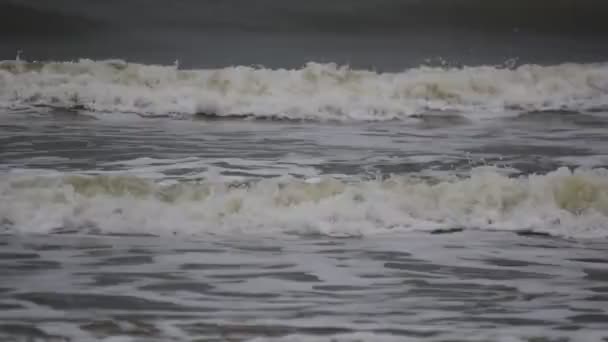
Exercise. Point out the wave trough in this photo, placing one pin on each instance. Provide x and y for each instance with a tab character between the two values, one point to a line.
562	203
314	92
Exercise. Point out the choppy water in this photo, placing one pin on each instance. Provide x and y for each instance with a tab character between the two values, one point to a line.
433	229
393	170
125	174
472	286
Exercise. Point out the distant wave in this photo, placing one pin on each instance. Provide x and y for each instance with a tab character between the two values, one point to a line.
561	203
314	92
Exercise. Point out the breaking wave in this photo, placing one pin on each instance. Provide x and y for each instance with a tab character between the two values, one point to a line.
562	203
314	92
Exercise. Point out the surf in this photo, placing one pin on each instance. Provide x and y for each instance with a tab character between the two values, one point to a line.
319	92
567	203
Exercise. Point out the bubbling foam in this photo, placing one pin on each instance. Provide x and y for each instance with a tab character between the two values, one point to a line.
562	203
314	92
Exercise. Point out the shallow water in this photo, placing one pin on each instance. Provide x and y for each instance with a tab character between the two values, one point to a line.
431	229
473	286
115	173
345	170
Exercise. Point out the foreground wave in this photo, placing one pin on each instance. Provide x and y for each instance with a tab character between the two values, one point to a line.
562	203
314	92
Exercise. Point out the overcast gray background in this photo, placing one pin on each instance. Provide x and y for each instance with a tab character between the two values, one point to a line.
381	34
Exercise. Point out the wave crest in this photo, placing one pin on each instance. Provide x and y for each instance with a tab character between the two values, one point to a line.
314	92
563	203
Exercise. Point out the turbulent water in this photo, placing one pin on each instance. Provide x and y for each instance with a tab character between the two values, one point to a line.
303	171
320	92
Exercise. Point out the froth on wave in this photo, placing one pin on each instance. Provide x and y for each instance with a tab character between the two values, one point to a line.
314	92
562	203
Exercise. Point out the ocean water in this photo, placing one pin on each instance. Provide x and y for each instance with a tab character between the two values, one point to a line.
303	171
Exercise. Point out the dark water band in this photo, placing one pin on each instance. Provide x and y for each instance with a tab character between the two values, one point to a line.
61	16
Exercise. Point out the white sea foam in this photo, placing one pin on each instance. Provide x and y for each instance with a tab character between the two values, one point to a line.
563	203
316	91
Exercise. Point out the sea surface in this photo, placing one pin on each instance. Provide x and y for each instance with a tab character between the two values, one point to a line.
304	171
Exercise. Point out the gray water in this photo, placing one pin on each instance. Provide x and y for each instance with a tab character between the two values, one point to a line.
82	284
382	34
360	195
463	287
